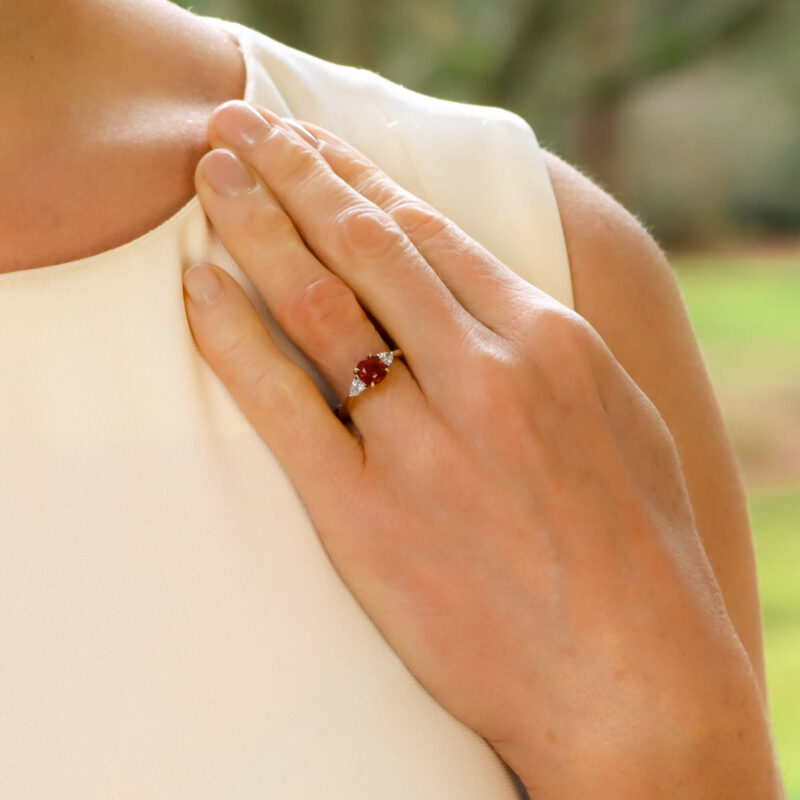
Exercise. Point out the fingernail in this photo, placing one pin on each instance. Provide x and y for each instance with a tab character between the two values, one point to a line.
301	131
241	124
226	174
203	285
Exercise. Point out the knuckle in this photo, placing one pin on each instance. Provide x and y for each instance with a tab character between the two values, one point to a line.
229	344
558	336
364	230
422	222
239	364
327	304
248	234
254	218
295	164
498	409
259	221
274	392
371	182
562	347
491	382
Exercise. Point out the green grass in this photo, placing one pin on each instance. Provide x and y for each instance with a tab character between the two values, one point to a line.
775	515
744	310
746	314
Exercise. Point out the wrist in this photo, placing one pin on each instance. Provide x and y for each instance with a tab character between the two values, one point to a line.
726	753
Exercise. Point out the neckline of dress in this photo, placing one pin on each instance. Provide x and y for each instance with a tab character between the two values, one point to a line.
32	273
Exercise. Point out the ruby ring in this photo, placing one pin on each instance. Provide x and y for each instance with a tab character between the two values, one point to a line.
369	372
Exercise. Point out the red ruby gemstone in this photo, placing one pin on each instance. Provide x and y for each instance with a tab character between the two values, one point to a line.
371	370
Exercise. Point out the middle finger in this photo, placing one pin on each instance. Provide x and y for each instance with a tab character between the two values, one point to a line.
355	239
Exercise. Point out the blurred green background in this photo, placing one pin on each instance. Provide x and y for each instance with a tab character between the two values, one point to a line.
688	113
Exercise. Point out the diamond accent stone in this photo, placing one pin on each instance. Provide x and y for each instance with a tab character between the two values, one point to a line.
386	357
357	386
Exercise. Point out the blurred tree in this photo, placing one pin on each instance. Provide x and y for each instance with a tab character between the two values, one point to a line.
574	68
661	42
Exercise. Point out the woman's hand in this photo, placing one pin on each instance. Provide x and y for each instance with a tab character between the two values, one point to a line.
507	505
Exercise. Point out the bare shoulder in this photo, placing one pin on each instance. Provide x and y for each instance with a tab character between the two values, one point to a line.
624	285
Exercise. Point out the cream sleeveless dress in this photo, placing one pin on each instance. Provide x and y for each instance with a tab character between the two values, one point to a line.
170	625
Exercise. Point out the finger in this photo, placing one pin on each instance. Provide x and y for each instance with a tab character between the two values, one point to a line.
318	311
356	240
489	289
322	458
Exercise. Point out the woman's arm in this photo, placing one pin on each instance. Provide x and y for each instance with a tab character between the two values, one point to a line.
625	287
